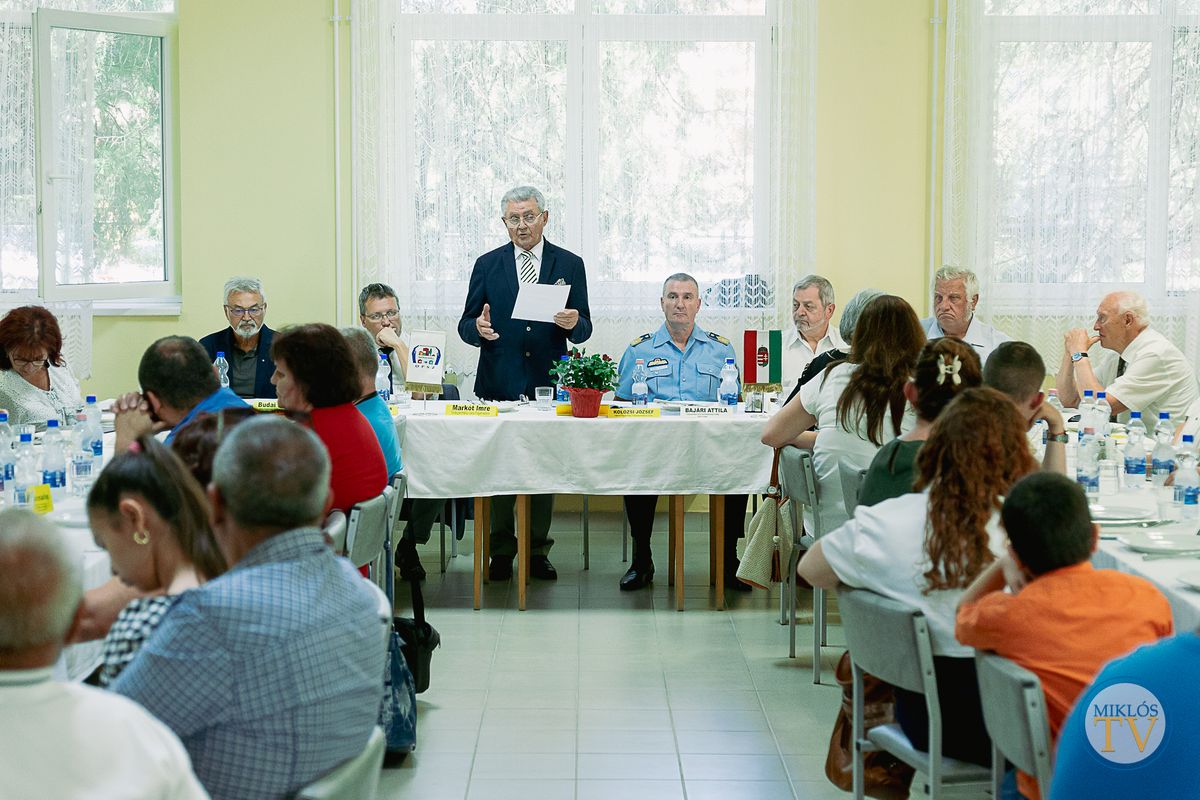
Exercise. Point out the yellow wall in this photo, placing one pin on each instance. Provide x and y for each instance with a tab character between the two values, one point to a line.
256	165
255	171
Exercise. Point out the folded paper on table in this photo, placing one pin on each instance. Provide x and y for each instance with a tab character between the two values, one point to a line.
539	302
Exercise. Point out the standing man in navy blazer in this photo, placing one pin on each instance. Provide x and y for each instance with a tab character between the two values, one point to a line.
516	355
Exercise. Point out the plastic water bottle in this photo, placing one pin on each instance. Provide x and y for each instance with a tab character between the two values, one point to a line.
7	459
91	438
222	368
1087	410
26	472
54	460
561	395
1052	399
1087	462
82	464
639	393
1187	481
1162	458
1135	451
383	379
1103	413
727	394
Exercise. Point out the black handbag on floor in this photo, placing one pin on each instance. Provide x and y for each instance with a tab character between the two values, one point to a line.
420	639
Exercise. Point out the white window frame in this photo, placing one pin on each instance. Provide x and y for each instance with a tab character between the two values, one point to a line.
583	31
140	297
1156	28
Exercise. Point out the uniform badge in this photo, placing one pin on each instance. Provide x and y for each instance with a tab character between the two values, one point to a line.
717	337
639	339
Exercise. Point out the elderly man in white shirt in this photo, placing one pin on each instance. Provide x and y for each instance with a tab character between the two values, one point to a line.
1151	375
812	309
955	296
64	739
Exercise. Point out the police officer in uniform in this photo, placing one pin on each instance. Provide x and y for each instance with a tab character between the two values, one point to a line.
682	362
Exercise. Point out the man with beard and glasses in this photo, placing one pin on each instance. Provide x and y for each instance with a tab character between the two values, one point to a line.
246	343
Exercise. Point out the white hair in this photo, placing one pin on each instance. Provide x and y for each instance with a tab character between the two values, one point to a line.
244	283
39	582
520	194
950	273
1132	303
824	287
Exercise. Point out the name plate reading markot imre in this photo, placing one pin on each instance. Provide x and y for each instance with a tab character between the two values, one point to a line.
470	410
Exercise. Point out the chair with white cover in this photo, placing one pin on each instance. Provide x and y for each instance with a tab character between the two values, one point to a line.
852	480
366	532
891	641
798	479
355	779
1014	713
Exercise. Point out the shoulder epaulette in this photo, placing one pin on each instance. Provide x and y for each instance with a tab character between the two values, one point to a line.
639	339
717	337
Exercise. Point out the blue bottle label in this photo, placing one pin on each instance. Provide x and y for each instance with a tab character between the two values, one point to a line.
54	478
98	447
1135	466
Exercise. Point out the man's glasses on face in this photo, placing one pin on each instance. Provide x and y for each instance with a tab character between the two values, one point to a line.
380	316
252	311
514	221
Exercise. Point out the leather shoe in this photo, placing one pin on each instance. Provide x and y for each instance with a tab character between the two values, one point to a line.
500	569
408	563
541	568
639	576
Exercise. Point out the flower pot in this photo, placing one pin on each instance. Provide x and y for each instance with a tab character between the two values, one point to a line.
585	402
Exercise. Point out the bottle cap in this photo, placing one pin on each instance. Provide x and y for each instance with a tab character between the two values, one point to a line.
220	354
91	398
26	437
51	423
1164	415
1101	395
729	361
1135	415
1188	438
3	416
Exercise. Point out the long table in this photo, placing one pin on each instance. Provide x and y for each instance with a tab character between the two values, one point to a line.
1163	573
526	451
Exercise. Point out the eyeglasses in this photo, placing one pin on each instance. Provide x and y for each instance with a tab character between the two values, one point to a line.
514	221
23	364
379	316
252	311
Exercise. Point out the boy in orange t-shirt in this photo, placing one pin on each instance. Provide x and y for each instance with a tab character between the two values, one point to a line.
1063	619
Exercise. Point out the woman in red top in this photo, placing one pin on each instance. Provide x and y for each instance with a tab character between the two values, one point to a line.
315	372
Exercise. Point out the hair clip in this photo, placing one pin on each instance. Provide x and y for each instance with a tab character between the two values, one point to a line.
949	367
136	446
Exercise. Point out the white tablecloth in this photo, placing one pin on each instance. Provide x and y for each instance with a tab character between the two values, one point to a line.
1163	573
528	451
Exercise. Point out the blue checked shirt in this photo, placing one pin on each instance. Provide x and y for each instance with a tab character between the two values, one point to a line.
271	674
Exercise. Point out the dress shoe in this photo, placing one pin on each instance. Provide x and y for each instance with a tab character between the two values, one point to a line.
639	576
541	568
500	568
408	563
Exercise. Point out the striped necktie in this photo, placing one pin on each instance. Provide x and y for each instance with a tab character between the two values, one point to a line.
527	271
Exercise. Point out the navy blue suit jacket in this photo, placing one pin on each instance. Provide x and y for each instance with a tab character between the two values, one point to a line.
519	360
222	341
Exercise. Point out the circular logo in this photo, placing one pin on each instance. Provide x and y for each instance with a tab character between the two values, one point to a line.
1125	723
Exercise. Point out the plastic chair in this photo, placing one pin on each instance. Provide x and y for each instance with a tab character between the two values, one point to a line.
355	779
798	478
394	531
891	641
1014	713
852	481
335	529
367	531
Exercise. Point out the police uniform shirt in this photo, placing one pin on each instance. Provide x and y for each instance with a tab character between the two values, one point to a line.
694	374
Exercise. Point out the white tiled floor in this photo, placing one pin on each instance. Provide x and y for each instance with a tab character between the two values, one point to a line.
596	694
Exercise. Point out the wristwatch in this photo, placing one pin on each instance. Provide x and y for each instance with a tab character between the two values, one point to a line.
1077	356
1057	437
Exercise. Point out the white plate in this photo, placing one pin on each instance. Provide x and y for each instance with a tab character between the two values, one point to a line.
1103	513
69	518
1160	542
1191	579
505	406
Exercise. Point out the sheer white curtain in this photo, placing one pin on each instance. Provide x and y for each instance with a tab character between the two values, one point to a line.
1071	160
667	136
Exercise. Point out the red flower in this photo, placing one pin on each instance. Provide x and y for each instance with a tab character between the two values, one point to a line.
575	354
606	358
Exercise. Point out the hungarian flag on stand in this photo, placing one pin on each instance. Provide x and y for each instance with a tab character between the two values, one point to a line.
762	359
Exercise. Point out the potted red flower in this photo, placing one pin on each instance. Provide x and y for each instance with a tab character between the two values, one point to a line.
586	378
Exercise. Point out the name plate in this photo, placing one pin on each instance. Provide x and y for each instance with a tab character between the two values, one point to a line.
471	410
618	412
265	405
43	501
704	411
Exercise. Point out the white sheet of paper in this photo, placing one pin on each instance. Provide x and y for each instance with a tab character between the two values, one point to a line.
539	302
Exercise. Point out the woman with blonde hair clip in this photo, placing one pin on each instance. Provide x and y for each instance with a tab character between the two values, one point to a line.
924	548
945	367
151	516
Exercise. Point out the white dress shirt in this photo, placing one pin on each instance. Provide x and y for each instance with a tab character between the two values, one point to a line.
536	252
1158	377
882	548
66	740
983	337
797	354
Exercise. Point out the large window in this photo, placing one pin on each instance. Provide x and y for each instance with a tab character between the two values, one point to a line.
86	151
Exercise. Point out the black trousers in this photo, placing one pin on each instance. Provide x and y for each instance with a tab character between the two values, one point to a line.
963	733
639	508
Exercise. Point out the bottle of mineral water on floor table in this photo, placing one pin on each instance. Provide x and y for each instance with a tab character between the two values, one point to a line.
727	394
54	461
639	392
1087	462
1187	481
1135	451
1162	458
26	472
